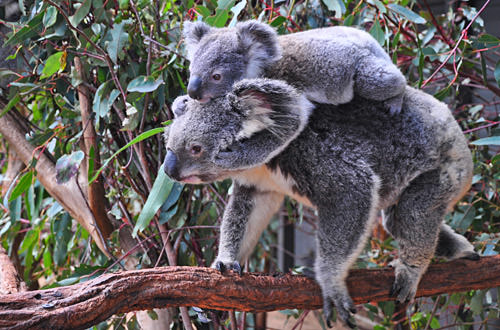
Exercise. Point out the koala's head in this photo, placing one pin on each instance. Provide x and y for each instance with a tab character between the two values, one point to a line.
205	139
221	56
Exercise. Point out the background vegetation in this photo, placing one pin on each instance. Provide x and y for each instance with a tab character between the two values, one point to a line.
134	66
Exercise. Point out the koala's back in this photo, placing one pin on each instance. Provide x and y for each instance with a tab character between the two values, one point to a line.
353	142
327	63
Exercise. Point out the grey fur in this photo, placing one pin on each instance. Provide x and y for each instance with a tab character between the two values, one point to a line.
330	65
349	162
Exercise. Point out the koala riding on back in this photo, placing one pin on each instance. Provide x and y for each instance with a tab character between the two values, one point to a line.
348	161
329	65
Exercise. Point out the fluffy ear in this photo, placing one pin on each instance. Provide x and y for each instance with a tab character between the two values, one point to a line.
179	105
272	114
193	32
261	44
271	105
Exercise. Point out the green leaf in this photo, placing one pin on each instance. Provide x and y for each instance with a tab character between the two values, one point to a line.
484	71
103	100
335	5
377	32
67	166
50	17
143	84
23	185
56	62
11	103
204	11
277	21
497	73
81	13
435	323
139	138
30	30
159	193
407	13
489	39
219	19
492	140
476	303
117	38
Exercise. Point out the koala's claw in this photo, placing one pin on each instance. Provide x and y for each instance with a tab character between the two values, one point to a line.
235	266
345	309
219	265
405	284
472	256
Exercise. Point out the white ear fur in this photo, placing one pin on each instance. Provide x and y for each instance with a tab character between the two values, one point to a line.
258	118
261	42
193	32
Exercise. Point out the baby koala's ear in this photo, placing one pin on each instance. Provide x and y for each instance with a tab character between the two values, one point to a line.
261	43
179	105
193	32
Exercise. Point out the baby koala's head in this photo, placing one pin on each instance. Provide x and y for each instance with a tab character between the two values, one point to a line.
221	57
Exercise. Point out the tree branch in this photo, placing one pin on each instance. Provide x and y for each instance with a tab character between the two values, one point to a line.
10	281
82	305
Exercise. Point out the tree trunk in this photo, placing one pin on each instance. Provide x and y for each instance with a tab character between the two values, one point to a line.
82	305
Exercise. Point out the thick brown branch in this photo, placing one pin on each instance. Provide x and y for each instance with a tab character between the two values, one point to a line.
10	282
82	305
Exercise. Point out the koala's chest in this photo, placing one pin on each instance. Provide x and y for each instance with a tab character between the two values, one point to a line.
265	179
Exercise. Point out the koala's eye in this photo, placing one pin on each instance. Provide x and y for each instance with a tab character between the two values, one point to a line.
195	150
216	76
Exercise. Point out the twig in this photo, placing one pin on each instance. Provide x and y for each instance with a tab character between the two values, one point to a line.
453	51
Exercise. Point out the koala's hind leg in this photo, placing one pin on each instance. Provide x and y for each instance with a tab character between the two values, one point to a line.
454	246
377	79
245	217
415	223
344	225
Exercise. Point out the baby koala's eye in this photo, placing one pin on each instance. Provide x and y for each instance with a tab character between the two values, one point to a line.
195	150
216	76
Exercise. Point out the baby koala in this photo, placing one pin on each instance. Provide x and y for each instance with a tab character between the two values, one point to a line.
329	65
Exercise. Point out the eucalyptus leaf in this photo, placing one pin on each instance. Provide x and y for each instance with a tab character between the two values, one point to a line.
50	17
33	28
81	12
407	13
67	166
159	193
55	63
336	6
117	39
143	84
497	73
22	186
492	140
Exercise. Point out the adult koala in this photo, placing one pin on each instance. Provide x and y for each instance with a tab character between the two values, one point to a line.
348	162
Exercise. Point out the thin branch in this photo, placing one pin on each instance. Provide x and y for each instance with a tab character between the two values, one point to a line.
454	50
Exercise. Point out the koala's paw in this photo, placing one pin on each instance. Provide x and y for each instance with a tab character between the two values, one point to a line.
234	266
394	104
345	309
406	282
471	255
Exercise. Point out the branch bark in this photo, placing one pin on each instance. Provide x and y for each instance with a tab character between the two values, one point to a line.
82	305
10	281
68	194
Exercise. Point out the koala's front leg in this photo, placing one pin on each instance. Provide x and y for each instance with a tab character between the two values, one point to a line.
344	225
245	217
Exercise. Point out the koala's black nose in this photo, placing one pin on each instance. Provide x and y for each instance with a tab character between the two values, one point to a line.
170	164
193	89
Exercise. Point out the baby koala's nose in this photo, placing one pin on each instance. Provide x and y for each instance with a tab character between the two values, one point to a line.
193	89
